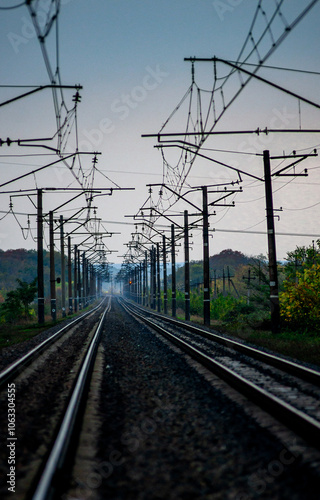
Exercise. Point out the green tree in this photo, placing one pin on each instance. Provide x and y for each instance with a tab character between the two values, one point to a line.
12	308
17	301
26	292
300	300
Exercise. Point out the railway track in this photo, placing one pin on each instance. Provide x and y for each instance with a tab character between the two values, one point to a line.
9	373
288	391
60	427
155	426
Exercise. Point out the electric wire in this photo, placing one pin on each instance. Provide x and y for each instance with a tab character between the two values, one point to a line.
13	6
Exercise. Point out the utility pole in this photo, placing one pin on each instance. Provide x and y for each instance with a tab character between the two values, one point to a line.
215	283
273	272
173	273
144	281
152	278
248	279
40	258
52	270
84	280
158	279
186	267
69	276
223	283
79	280
63	269
165	284
75	280
154	270
206	270
146	293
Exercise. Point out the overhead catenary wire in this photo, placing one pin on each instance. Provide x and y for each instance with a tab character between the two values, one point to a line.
13	6
243	57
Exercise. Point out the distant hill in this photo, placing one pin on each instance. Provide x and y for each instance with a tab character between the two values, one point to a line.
228	258
22	264
218	262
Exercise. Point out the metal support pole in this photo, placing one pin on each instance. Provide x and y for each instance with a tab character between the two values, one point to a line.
52	270
40	258
144	281
154	279
151	282
79	281
140	284
63	269
136	284
206	270
273	272
147	302
165	282
75	278
94	282
215	283
69	276
84	280
173	273
186	267
158	279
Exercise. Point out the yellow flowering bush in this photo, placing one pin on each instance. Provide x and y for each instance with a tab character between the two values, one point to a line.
300	300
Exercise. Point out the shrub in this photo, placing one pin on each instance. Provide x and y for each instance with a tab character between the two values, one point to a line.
300	301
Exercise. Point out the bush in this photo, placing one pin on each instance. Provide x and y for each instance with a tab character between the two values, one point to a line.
300	301
17	302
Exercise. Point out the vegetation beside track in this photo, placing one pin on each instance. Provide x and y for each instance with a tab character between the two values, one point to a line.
11	334
301	346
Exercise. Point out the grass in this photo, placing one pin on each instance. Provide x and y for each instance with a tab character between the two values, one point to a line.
15	334
299	346
11	334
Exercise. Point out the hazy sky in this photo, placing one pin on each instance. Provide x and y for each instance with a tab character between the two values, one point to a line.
129	57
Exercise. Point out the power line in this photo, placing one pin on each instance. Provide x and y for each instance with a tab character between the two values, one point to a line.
314	235
13	6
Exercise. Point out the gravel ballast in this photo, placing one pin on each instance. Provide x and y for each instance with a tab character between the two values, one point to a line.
166	432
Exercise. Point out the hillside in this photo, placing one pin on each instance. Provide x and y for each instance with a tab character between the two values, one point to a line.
22	264
220	262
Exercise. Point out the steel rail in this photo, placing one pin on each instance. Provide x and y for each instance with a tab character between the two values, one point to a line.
304	425
18	366
303	372
49	482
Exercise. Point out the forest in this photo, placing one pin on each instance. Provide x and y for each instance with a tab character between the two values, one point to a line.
239	285
22	264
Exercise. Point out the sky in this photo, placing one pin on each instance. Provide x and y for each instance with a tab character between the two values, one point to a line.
128	56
